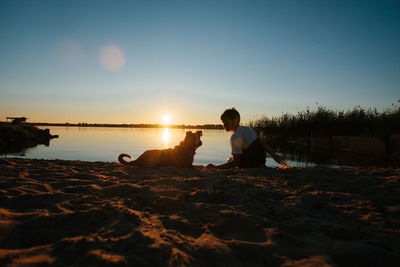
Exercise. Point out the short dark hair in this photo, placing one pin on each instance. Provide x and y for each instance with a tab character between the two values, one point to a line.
230	114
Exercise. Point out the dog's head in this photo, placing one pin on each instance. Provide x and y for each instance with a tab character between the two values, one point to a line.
193	139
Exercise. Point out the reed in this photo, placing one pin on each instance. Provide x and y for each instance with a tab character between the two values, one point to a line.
324	122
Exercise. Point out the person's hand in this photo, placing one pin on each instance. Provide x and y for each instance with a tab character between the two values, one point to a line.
279	159
230	159
209	166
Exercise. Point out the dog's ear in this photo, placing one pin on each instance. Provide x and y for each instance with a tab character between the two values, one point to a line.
199	133
188	134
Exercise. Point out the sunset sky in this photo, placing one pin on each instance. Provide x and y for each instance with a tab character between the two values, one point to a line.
135	61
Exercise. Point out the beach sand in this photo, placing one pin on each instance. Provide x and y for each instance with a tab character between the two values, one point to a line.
97	213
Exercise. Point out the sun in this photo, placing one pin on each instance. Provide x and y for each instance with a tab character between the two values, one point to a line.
166	119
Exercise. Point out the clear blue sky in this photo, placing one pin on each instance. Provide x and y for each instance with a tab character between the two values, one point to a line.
192	59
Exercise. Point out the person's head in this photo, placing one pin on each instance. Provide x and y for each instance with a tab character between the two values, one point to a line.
231	119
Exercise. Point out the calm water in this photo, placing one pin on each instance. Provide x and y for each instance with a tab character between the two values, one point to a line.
105	144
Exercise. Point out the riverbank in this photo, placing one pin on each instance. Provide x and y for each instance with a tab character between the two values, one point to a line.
98	213
16	138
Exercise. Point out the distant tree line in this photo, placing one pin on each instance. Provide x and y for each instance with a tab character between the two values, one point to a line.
83	124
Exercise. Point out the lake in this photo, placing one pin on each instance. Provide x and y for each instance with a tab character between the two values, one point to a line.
106	143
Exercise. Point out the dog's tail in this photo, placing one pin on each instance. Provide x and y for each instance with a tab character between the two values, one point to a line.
121	159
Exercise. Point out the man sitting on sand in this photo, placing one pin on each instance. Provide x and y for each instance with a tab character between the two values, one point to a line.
248	151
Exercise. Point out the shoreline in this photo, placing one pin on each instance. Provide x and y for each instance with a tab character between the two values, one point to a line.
140	125
67	212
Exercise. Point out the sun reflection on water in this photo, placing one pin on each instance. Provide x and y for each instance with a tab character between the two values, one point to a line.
166	136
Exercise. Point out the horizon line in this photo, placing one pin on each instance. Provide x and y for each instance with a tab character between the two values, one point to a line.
127	125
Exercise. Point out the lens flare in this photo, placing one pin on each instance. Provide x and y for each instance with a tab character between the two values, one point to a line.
111	57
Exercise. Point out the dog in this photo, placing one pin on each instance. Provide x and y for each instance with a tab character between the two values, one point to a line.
180	156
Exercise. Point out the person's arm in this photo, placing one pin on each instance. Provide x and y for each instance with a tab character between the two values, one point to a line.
228	165
267	148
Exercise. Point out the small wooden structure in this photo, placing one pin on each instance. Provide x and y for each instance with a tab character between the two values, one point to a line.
16	120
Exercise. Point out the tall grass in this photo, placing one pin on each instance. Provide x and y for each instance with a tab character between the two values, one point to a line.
324	122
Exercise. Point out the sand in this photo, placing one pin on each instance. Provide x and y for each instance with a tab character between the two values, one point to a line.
97	213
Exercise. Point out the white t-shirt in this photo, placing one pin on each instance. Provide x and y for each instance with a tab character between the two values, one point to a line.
242	138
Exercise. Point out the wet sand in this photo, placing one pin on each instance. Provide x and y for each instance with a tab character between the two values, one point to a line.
97	213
